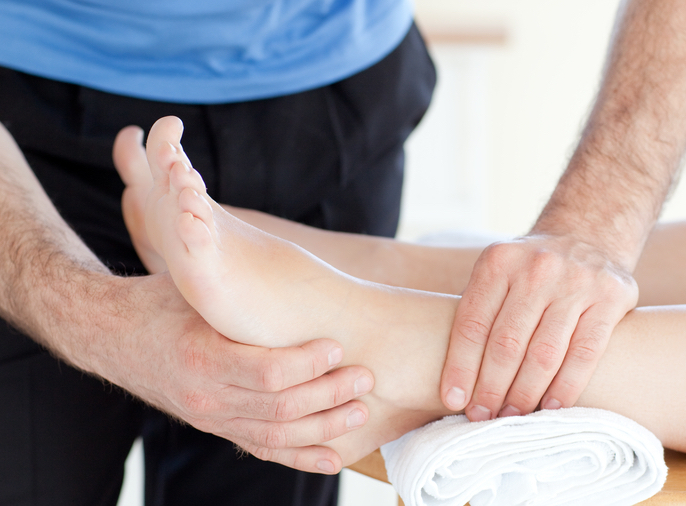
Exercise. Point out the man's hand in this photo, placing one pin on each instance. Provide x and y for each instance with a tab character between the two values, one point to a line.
274	403
533	322
139	333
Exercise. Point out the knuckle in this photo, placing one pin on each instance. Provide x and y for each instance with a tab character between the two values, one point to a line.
256	406
474	331
524	400
328	431
507	347
196	359
545	261
584	353
493	261
338	396
463	373
489	396
272	376
547	356
275	437
587	348
197	403
285	408
496	253
298	461
262	453
569	388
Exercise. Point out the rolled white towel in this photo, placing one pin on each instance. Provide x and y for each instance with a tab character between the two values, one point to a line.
575	456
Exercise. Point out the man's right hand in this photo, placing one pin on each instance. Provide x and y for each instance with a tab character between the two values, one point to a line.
139	333
277	404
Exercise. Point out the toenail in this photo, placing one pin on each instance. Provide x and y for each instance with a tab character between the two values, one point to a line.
356	418
363	384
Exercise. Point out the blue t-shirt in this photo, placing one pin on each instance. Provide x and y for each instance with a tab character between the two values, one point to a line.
199	51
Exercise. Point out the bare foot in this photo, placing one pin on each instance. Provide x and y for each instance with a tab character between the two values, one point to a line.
258	289
230	272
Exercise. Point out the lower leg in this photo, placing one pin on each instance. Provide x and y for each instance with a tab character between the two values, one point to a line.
642	376
661	270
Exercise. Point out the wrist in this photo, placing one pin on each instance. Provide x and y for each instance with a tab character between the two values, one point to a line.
594	206
73	306
71	314
99	327
589	241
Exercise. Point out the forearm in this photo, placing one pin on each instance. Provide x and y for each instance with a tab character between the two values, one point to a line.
50	279
630	150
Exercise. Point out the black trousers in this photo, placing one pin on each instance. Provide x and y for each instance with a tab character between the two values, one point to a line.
330	157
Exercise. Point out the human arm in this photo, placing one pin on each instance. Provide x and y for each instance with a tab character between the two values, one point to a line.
140	334
538	312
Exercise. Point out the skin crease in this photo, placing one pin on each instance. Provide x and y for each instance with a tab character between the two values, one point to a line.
400	334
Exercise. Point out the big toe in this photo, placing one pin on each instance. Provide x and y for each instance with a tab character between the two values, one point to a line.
164	145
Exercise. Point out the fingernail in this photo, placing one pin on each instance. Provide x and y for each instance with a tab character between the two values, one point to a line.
479	414
335	356
326	466
552	404
509	411
356	418
363	384
455	398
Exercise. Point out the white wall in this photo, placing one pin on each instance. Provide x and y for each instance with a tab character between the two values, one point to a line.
534	92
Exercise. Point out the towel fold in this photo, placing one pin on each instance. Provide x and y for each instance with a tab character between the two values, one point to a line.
576	456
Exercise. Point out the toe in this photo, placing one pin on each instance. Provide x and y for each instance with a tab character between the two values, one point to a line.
182	176
194	233
167	129
161	148
192	202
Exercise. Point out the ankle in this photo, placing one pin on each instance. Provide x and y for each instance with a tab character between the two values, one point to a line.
402	336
